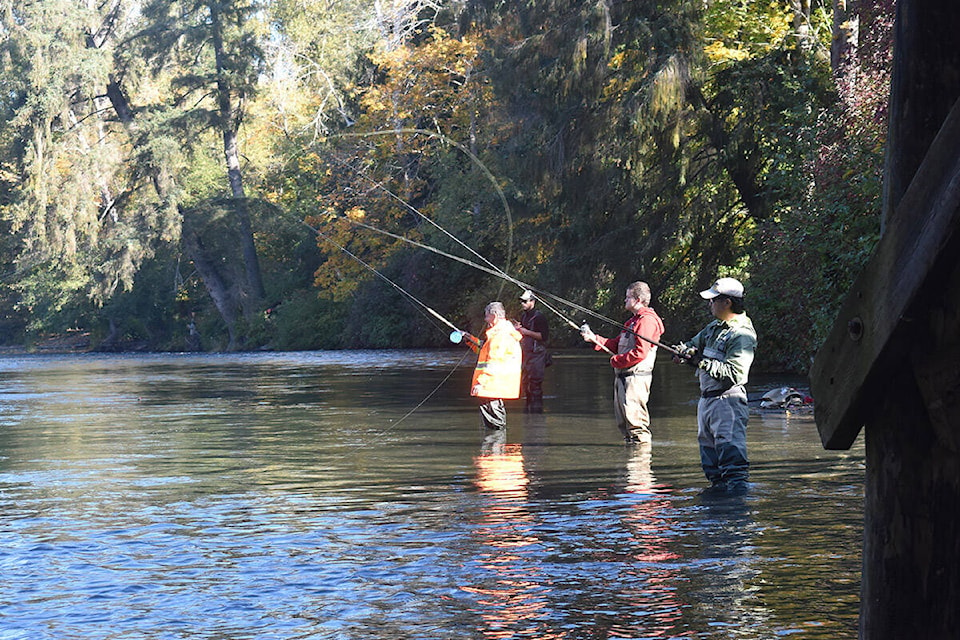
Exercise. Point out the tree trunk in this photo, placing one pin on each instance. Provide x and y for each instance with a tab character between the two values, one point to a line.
252	294
223	297
801	24
741	168
843	45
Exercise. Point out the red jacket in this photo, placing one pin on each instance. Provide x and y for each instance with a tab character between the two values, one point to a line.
630	349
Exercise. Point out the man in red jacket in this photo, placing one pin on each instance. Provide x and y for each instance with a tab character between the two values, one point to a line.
632	362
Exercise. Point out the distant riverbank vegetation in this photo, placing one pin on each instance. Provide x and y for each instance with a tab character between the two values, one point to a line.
225	175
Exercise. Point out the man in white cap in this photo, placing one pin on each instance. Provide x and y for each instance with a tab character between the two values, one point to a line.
535	329
722	353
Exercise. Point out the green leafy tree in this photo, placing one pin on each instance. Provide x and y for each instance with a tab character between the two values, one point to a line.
810	251
81	227
417	133
657	135
210	54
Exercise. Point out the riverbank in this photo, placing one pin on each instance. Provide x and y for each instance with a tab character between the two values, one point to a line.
69	342
73	342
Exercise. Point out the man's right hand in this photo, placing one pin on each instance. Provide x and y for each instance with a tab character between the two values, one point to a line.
686	355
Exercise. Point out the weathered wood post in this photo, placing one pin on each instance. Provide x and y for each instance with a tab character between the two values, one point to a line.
892	361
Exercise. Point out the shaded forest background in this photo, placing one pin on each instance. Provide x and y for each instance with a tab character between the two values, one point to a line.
190	174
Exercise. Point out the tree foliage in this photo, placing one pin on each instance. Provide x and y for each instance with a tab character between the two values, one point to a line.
82	226
277	161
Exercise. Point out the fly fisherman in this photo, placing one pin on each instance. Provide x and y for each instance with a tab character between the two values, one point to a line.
534	328
632	363
497	376
722	354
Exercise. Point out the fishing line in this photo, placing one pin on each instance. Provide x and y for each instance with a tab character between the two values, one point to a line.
501	273
418	302
473	158
380	432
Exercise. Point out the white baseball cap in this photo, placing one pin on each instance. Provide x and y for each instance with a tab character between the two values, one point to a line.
527	296
724	287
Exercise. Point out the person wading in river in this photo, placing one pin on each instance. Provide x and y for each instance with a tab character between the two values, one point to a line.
722	354
534	328
497	376
632	363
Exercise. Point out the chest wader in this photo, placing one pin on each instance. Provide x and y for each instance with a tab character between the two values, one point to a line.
531	377
493	413
631	391
722	413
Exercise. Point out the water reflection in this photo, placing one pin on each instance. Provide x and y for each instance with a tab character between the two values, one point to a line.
510	601
729	568
652	565
639	473
296	496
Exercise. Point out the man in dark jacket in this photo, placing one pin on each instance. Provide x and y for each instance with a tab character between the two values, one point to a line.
535	329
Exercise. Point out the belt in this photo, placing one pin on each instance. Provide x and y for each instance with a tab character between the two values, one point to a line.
627	374
714	393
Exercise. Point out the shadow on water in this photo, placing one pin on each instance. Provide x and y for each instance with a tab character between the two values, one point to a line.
301	496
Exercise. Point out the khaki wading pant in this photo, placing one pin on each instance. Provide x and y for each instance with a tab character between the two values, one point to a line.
630	395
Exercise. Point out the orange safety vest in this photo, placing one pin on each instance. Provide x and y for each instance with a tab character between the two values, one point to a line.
498	365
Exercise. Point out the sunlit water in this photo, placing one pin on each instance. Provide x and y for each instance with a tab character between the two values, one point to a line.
353	495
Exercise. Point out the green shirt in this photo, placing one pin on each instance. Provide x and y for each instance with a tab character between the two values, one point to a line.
727	348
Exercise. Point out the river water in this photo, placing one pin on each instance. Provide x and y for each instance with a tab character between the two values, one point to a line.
353	495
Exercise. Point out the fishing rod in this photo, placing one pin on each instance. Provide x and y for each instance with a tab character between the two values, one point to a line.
496	271
655	343
506	207
456	336
493	270
574	324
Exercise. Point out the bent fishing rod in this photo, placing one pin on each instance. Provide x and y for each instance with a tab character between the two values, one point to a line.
494	271
456	336
473	158
506	207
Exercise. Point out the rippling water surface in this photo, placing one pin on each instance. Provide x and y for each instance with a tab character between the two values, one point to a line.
353	495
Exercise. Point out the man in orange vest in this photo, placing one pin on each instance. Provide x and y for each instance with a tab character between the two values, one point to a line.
497	376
